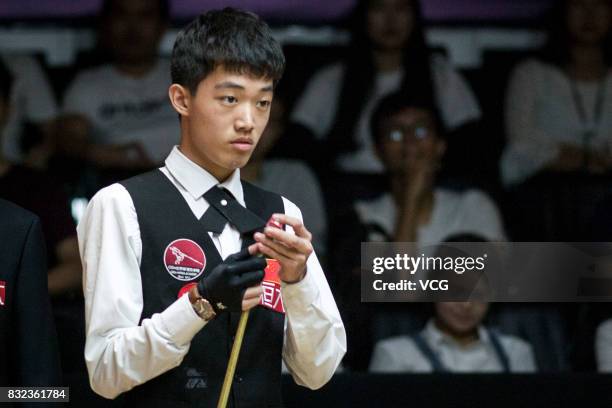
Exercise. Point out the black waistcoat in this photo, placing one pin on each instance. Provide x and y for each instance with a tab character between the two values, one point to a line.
164	217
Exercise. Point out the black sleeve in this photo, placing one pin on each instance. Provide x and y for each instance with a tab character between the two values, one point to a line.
36	349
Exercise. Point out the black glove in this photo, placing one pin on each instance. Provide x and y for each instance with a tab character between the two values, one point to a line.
225	285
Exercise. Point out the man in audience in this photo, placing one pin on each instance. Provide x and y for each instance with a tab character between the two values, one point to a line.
117	115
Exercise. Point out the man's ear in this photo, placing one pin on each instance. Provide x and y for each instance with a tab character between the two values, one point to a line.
180	97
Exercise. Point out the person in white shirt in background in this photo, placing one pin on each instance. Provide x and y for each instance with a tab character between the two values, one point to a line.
388	54
558	112
409	142
454	340
224	67
457	337
116	115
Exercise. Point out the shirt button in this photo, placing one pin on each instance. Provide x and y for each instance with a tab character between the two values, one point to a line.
224	202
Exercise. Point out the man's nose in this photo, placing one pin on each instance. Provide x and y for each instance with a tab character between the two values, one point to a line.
246	120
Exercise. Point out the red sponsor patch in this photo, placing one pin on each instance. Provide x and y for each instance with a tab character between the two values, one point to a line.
2	293
271	285
184	259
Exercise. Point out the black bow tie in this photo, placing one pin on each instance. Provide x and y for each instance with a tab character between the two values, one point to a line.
224	208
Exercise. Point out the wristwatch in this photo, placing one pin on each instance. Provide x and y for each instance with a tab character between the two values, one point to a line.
203	309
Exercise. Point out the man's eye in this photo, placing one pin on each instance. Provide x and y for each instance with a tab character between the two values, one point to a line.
263	104
229	99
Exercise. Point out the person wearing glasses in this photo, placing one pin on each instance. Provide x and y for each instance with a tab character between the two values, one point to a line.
409	142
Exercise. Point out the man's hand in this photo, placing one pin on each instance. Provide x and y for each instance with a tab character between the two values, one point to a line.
291	250
234	285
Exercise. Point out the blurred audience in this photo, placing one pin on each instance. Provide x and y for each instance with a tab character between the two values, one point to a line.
559	106
291	178
38	193
31	119
117	115
387	53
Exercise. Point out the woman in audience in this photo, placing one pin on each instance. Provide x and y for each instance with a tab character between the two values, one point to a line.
387	53
559	106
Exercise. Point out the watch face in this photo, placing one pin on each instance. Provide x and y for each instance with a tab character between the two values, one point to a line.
204	309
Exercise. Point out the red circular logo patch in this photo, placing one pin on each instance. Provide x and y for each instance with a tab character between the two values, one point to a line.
184	259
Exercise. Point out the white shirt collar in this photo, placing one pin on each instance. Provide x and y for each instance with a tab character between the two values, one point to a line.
197	180
436	337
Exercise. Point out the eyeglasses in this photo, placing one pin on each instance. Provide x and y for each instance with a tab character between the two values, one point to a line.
416	132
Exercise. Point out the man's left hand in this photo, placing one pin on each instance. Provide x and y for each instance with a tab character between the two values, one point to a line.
291	250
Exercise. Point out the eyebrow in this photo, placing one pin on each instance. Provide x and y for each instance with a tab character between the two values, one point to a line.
234	85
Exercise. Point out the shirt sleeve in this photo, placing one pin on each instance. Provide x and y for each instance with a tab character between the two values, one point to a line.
315	339
119	352
521	355
529	148
457	102
317	106
603	347
482	216
77	98
35	91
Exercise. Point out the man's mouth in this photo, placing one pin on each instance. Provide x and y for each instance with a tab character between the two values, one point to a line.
243	143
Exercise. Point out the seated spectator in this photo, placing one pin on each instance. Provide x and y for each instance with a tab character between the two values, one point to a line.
409	142
558	110
33	112
454	340
387	53
291	178
118	115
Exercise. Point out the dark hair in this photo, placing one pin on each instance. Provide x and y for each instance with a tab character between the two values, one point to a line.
360	73
396	102
556	51
107	8
238	40
6	82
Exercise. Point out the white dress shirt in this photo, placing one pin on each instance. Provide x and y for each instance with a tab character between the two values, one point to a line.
121	354
400	354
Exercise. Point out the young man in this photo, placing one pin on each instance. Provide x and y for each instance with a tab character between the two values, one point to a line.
116	115
143	242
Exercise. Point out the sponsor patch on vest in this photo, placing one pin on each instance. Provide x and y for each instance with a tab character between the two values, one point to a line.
2	293
271	285
184	259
